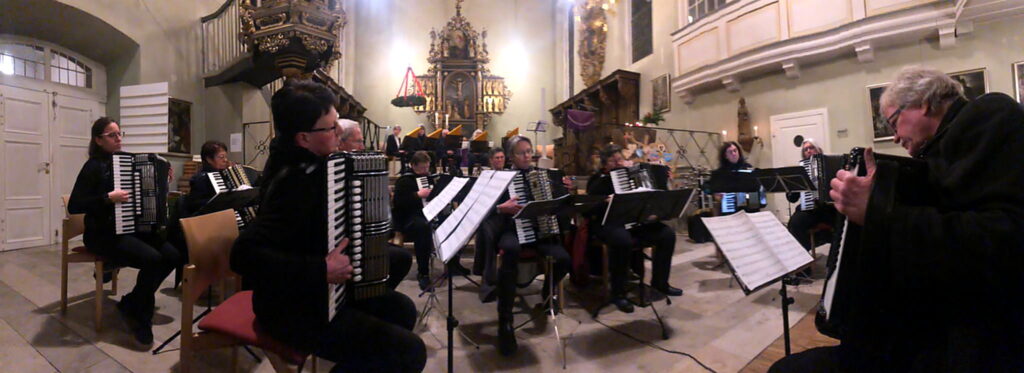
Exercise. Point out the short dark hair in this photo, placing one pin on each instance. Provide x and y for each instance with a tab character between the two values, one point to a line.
298	105
723	161
97	130
421	156
210	150
608	152
494	151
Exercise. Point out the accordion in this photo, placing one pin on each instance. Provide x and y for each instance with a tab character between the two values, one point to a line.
852	277
358	207
534	185
232	178
144	177
822	168
641	176
426	182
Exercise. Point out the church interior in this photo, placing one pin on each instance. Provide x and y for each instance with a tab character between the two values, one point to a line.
670	82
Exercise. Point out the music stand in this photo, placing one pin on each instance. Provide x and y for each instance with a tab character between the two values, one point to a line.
784	179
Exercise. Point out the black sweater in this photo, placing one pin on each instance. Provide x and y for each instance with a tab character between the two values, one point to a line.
406	203
89	196
283	253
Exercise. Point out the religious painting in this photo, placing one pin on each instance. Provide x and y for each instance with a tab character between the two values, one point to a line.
882	131
1018	81
179	131
973	81
661	100
460	96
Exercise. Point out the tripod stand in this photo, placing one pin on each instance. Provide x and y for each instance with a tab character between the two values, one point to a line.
433	304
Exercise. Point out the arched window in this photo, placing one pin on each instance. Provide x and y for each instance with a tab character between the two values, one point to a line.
69	70
23	59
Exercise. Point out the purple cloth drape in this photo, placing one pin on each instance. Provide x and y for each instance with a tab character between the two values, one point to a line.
579	120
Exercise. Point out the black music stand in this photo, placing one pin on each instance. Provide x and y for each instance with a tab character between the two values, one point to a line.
784	179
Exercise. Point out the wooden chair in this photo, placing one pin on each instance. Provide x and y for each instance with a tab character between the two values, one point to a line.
232	323
821	227
74	226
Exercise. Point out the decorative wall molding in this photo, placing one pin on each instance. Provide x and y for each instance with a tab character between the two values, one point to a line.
709	56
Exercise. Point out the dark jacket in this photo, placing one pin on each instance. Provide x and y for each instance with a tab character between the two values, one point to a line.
200	190
946	285
391	146
406	203
89	196
283	253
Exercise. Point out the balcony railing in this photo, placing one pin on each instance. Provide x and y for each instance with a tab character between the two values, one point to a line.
222	45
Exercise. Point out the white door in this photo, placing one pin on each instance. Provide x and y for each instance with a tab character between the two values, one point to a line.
26	168
788	132
70	138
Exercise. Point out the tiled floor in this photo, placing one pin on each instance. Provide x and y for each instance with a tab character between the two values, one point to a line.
713	321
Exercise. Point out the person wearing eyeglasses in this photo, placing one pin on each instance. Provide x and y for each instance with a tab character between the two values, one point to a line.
283	255
805	218
500	237
941	278
215	158
95	196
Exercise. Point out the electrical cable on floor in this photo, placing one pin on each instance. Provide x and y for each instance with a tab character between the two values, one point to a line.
652	345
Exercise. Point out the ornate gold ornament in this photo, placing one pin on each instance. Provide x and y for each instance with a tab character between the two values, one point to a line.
591	15
271	26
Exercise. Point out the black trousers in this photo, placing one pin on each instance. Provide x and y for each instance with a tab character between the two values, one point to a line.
802	221
375	335
400	261
417	230
154	258
510	249
621	243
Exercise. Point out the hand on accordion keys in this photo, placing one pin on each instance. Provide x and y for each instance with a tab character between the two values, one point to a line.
851	192
339	268
118	196
510	207
423	193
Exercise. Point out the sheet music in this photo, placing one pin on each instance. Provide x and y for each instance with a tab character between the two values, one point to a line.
758	246
444	198
455	232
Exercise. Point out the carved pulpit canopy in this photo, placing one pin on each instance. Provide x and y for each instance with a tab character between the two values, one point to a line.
296	36
458	86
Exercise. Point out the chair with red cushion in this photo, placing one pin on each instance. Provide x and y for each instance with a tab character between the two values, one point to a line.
232	323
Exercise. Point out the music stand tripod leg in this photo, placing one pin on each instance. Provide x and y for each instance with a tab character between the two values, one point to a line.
786	301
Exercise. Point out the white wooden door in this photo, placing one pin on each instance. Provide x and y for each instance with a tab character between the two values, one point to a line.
26	168
788	132
70	138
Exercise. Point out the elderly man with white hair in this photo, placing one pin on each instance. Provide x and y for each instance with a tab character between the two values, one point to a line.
941	284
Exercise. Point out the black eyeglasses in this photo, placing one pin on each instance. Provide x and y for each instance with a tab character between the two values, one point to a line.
322	129
895	117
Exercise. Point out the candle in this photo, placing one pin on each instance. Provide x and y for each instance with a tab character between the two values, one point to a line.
725	134
437	117
445	120
755	131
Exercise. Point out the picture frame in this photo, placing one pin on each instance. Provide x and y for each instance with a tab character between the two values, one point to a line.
661	98
879	128
975	82
179	127
1018	81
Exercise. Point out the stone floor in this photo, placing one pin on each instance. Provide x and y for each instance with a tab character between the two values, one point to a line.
714	322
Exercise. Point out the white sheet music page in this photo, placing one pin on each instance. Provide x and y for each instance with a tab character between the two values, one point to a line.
456	231
758	246
444	198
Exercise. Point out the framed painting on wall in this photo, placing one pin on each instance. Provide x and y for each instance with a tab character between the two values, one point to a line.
1018	81
882	131
661	100
179	131
975	82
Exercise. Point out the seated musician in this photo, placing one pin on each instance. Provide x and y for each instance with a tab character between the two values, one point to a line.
94	195
620	241
215	158
942	275
507	244
448	157
496	159
283	254
350	139
407	212
802	220
730	159
476	159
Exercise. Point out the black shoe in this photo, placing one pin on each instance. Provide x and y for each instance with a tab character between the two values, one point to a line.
668	290
142	330
507	344
424	281
622	304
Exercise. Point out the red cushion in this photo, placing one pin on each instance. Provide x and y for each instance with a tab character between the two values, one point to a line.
235	318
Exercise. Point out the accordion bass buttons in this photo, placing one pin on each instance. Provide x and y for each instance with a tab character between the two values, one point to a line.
356	190
357	257
357	278
357	271
357	243
357	221
356	183
357	263
357	206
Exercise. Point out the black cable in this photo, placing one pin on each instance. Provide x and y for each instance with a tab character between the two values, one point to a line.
649	344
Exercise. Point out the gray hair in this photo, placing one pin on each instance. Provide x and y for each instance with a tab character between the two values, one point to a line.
515	140
348	127
915	86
